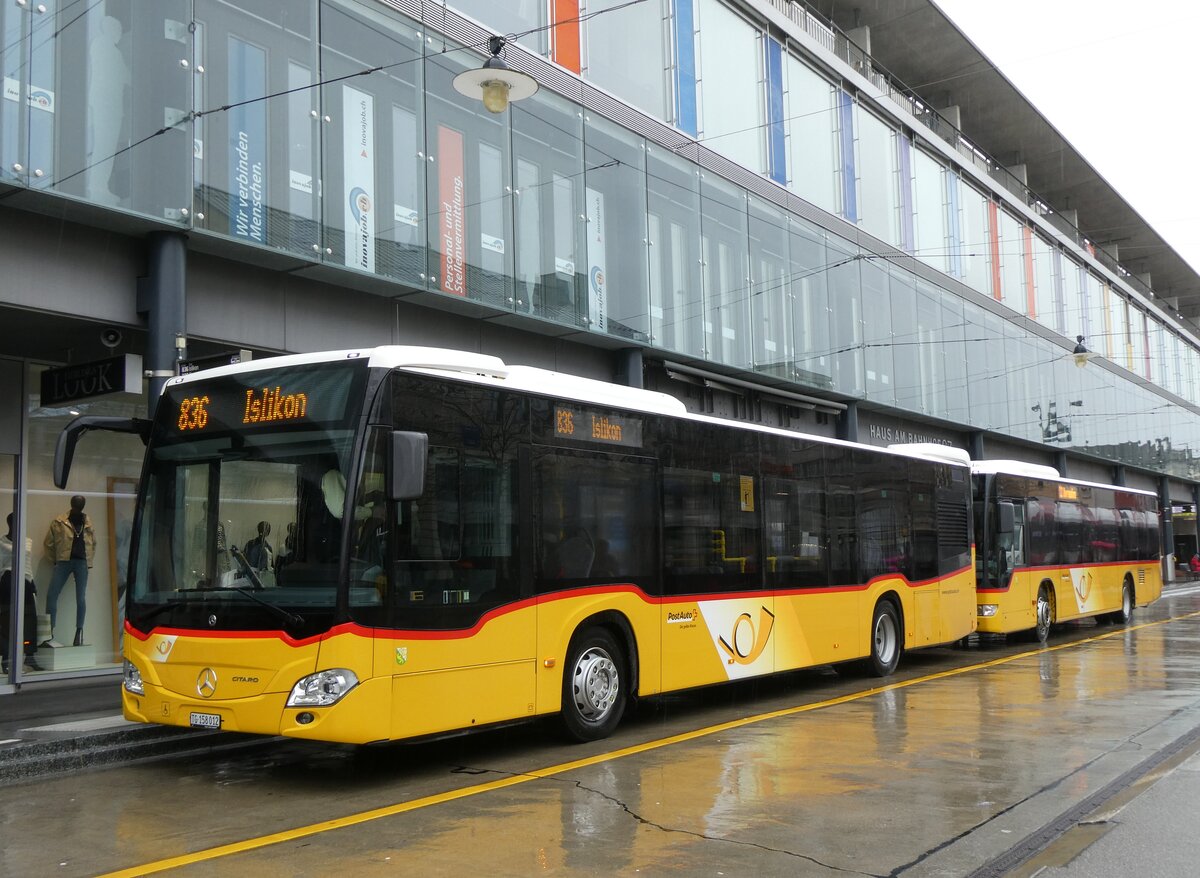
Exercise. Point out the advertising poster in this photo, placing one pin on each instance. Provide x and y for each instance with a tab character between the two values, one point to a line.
247	142
597	262
358	167
452	205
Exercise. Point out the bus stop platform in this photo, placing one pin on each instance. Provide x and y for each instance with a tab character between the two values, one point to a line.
71	725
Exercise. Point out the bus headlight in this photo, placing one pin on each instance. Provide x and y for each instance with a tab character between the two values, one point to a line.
322	688
988	609
132	678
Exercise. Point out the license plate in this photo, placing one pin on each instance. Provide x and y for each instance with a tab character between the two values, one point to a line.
206	720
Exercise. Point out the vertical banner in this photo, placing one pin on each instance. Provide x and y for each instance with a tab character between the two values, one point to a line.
452	201
358	174
597	262
776	144
247	141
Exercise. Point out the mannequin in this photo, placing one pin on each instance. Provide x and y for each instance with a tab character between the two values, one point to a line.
71	545
6	572
259	553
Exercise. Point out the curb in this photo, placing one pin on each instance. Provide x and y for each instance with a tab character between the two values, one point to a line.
44	758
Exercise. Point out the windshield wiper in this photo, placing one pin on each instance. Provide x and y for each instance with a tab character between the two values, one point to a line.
287	616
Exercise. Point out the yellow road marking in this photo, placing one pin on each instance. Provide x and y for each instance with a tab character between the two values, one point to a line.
541	773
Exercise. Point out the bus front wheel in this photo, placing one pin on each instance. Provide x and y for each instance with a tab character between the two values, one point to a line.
1045	614
885	640
594	686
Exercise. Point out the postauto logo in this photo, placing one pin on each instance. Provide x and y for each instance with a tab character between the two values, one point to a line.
747	640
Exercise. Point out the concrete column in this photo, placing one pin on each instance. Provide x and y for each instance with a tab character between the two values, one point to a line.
631	367
161	299
953	115
1118	475
1168	530
975	445
847	422
1061	463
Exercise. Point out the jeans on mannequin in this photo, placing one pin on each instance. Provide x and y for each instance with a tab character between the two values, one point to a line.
62	571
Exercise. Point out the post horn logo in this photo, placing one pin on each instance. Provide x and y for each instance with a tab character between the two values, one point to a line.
1083	586
746	641
206	683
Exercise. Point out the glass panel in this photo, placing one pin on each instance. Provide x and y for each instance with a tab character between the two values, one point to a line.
103	81
909	341
627	53
732	103
774	351
725	265
930	196
618	276
951	392
878	192
1137	341
987	368
812	135
15	24
1044	282
548	149
1012	262
470	189
676	300
1118	316
10	597
810	306
1099	333
877	331
975	241
372	145
255	164
846	320
512	16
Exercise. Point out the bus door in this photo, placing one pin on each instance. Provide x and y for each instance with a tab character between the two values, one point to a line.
457	630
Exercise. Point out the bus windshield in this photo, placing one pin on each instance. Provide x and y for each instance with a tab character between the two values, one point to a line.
244	501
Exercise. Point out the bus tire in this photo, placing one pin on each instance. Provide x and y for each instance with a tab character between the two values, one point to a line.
594	685
886	641
1044	610
1124	615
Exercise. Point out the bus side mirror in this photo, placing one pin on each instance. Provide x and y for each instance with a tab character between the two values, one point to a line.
1005	518
406	476
64	450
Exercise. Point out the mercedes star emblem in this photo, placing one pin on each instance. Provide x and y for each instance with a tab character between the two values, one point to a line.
206	683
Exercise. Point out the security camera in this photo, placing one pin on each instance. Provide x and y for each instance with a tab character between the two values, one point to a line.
110	337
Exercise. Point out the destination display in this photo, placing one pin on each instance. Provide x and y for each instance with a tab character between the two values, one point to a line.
261	400
573	422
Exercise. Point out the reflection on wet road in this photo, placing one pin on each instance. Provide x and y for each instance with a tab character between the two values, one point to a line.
948	766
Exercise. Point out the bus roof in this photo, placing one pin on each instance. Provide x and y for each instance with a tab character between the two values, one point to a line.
486	369
1046	473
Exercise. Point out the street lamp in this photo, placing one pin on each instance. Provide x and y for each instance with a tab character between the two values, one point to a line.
495	83
1081	354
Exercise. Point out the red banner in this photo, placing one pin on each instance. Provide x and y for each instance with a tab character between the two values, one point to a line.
452	199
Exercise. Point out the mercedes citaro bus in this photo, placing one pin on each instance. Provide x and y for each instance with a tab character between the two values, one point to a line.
385	544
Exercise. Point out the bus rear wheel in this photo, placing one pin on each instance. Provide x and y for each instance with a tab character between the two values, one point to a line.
594	686
885	640
1045	615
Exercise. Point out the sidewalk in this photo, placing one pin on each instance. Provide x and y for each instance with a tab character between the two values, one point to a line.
68	725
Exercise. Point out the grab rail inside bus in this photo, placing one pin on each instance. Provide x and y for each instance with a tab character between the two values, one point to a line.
64	450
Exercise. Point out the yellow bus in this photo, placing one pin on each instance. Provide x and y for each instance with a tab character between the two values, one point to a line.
1052	550
403	542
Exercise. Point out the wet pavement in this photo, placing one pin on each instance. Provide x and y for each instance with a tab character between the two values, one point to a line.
1002	758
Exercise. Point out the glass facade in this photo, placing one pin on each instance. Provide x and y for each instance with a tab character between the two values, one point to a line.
329	131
